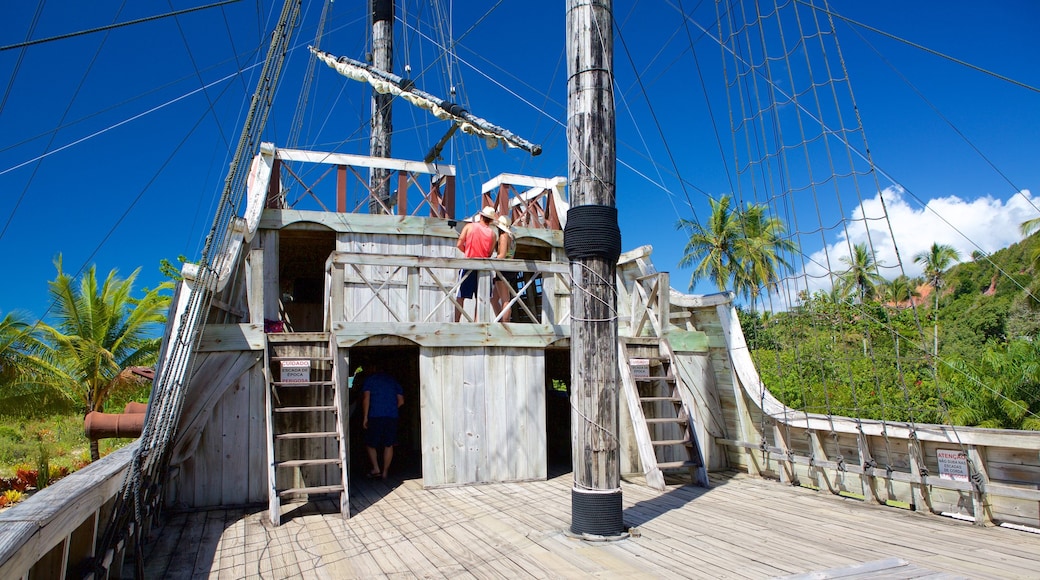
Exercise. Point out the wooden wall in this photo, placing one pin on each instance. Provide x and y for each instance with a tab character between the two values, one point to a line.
221	453
360	300
483	415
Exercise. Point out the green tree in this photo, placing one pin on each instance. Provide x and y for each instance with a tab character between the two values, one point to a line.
759	252
936	261
710	249
98	330
862	276
900	291
18	340
1001	390
743	248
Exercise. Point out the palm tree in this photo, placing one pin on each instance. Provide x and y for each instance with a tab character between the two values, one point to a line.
18	339
936	261
742	248
862	275
900	290
98	332
759	252
710	248
1001	390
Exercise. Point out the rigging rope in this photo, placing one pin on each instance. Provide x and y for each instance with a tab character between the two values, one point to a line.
143	483
112	26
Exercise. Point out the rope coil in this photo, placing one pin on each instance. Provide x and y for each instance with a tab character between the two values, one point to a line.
592	232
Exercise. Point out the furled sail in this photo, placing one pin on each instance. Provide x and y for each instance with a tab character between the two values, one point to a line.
385	82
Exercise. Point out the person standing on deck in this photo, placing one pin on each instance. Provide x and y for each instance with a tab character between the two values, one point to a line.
381	397
505	251
477	240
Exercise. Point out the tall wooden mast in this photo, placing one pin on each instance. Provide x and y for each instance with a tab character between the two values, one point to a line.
593	243
382	127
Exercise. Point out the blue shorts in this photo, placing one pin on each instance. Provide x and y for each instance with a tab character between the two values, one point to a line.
468	289
381	432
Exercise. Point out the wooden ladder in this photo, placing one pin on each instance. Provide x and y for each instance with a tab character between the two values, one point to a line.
661	417
306	443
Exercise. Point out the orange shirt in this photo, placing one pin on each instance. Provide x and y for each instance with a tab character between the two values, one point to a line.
477	238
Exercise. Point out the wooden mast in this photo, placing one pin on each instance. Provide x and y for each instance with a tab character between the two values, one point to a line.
593	244
382	127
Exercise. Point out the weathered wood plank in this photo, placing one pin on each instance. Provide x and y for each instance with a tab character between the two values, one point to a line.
33	527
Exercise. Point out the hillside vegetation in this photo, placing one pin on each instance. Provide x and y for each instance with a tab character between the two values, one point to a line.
872	354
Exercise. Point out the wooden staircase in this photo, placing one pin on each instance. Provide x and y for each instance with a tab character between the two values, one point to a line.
661	417
306	442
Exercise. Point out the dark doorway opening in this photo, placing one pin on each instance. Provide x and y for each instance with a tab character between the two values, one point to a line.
301	275
558	411
401	362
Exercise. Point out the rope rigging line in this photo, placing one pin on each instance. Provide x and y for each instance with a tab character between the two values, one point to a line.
113	26
151	460
53	136
920	47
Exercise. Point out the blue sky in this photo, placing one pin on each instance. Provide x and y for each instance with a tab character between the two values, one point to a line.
113	145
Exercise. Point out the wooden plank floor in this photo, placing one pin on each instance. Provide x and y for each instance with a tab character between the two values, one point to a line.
740	528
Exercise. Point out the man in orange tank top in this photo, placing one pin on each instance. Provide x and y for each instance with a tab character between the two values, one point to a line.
477	240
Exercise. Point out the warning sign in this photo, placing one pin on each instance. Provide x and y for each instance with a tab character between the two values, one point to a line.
640	367
953	464
296	371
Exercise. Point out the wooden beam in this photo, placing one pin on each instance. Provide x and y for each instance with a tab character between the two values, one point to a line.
363	161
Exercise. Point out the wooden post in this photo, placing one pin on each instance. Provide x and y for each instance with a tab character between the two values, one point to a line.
592	225
382	127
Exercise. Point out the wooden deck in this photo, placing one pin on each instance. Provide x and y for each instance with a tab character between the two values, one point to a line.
740	528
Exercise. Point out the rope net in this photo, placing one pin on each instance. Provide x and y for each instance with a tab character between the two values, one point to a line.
857	345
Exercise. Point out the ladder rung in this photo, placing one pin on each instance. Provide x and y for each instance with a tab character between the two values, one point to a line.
678	464
655	378
313	435
666	442
659	399
305	462
319	358
302	383
662	420
317	489
304	409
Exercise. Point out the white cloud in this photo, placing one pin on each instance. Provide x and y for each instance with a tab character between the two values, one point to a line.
986	223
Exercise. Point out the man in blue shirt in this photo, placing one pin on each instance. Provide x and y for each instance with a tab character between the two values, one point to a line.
380	399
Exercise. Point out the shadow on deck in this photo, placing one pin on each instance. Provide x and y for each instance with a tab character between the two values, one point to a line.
740	528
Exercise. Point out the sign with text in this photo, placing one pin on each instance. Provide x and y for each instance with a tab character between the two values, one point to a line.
640	367
953	464
296	371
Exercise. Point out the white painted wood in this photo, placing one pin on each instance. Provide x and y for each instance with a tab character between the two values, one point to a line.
521	181
326	158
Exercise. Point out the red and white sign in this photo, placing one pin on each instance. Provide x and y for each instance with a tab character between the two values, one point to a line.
953	464
296	371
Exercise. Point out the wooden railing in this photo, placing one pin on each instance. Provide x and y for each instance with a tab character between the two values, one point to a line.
535	206
365	288
990	476
436	194
54	533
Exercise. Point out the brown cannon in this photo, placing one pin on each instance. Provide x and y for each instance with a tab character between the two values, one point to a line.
127	424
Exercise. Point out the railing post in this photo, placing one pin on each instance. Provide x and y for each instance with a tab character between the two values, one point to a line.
663	303
449	196
412	292
402	193
336	293
980	480
255	285
341	188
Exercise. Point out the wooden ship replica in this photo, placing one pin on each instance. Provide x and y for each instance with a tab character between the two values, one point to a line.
254	394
